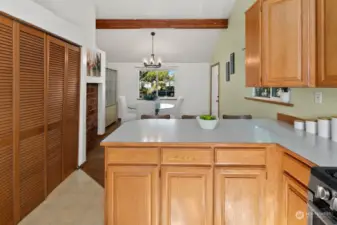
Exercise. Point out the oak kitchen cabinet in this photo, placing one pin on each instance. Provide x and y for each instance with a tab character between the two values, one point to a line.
295	202
187	195
298	43
135	196
39	84
201	184
294	191
253	45
239	192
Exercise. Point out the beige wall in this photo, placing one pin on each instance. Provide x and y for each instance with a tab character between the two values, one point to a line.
232	93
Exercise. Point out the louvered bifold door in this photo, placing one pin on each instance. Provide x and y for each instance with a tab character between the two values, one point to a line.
71	111
56	53
6	121
31	118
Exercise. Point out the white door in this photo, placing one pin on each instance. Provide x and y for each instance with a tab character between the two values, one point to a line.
215	90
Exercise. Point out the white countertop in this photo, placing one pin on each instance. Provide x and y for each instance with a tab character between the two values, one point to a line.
320	151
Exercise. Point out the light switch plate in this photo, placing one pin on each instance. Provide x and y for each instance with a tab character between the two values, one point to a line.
318	97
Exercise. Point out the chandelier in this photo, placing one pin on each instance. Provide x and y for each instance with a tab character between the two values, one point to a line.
152	63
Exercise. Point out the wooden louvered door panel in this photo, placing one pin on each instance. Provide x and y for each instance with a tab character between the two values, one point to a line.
71	111
31	118
6	121
56	51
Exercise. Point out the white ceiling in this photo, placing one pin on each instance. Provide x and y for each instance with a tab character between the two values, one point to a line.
171	45
163	9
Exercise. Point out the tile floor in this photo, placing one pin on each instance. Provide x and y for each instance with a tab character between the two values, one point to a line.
77	201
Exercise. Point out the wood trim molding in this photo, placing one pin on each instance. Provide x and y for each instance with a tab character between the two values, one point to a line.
287	118
162	23
269	101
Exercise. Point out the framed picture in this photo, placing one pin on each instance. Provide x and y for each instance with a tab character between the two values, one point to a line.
93	63
232	61
228	77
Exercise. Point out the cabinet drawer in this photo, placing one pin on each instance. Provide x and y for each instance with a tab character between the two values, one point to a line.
132	155
187	156
296	169
251	157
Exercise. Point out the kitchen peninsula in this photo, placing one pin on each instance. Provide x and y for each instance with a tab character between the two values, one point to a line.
172	172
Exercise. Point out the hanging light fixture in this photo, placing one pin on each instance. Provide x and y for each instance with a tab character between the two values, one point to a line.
152	63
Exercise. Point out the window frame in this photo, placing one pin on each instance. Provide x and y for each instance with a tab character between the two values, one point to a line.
157	70
271	98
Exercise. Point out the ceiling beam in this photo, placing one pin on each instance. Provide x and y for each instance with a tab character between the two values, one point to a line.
162	23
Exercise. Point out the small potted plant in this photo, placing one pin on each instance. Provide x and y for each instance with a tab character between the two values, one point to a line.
285	95
207	122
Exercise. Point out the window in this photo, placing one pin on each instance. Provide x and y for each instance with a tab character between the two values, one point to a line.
156	83
271	93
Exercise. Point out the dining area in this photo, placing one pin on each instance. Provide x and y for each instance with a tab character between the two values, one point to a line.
149	109
158	109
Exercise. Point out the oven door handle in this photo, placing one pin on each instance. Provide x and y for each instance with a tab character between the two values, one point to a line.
314	210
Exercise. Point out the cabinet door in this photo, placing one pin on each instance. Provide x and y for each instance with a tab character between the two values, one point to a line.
71	111
287	43
239	196
6	121
253	46
133	195
327	43
295	202
56	53
187	194
31	118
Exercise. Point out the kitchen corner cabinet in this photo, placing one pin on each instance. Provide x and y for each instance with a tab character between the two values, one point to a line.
298	43
295	202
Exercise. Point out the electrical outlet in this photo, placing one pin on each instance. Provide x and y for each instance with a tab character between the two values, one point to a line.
318	97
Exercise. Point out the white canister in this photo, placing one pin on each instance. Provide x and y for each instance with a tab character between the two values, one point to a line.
299	125
311	126
334	128
324	127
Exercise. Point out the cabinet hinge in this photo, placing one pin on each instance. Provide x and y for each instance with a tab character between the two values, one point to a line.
160	173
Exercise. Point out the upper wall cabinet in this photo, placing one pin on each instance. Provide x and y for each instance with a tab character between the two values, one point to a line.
253	46
327	43
286	43
298	43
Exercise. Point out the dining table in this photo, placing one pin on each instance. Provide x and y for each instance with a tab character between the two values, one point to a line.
158	106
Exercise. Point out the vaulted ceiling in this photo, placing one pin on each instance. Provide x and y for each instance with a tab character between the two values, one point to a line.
172	45
163	9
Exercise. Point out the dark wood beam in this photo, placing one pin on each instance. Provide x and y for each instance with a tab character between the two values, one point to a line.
160	23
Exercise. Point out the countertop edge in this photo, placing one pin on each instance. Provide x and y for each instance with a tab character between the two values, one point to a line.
208	144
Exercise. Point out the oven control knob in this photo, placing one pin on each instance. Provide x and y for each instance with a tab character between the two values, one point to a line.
323	193
333	204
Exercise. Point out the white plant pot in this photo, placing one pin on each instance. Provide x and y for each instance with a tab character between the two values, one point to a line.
208	124
285	97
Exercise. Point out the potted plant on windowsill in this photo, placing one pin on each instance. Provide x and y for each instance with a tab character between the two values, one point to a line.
285	95
207	122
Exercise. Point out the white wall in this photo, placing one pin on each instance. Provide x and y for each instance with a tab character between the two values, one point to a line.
192	82
74	21
39	16
81	13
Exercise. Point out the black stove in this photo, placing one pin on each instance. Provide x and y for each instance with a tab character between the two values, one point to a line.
323	196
